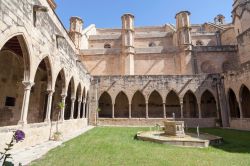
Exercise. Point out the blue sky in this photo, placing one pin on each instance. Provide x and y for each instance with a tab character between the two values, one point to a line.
107	13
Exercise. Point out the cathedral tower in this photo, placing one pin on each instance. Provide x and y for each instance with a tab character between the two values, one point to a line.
75	33
183	30
128	50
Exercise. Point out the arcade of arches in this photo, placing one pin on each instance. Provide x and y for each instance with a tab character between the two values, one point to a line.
22	101
43	99
156	107
239	107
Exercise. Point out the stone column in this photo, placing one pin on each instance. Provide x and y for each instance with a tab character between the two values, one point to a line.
240	107
87	110
199	110
63	109
146	110
181	103
79	109
72	108
26	98
164	111
188	106
84	110
49	105
113	110
217	111
130	113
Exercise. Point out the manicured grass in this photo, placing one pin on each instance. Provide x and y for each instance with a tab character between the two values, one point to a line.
111	146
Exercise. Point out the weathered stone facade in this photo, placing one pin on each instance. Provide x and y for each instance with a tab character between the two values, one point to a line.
133	62
39	69
198	73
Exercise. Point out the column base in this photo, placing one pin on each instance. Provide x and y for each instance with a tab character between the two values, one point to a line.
22	123
47	121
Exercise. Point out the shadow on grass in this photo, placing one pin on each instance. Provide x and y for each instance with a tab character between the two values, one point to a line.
234	141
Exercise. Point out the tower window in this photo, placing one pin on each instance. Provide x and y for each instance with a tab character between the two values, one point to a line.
199	43
152	44
10	101
107	46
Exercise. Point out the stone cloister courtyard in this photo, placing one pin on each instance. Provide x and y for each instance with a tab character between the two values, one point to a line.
172	94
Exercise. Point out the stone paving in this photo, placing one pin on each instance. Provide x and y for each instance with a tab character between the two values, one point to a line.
27	155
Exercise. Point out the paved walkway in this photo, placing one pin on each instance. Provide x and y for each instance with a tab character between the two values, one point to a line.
27	155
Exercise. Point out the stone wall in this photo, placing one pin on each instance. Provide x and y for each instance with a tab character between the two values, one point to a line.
192	123
39	133
146	85
45	48
45	37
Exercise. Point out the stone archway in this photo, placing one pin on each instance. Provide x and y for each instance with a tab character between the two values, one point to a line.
208	105
173	105
105	106
87	105
83	104
78	96
121	106
14	68
245	101
190	106
138	107
155	105
39	92
60	87
233	104
68	101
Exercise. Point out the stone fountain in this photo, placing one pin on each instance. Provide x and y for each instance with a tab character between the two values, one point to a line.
174	128
173	133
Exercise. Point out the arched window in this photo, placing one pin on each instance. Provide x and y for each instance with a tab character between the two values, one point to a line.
155	105
245	98
233	104
121	106
152	44
199	43
138	106
190	106
107	45
105	106
208	105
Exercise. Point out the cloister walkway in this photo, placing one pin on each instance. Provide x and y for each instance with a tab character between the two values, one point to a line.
27	155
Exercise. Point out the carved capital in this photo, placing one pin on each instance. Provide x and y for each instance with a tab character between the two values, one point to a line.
28	85
73	99
50	91
63	96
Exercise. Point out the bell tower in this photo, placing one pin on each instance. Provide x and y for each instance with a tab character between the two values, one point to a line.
183	30
52	4
128	49
75	33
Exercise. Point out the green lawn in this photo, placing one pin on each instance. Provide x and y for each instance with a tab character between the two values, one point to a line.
111	146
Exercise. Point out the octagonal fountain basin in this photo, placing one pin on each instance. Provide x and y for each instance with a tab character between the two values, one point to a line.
188	140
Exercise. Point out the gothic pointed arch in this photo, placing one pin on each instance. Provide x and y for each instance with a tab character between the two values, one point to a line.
68	102
121	106
173	105
83	102
105	105
245	101
155	105
78	97
39	92
208	105
190	106
14	68
59	90
233	104
138	105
